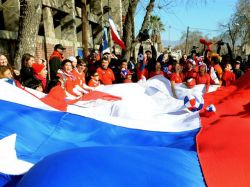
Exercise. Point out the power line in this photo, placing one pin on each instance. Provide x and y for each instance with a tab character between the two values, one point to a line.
212	30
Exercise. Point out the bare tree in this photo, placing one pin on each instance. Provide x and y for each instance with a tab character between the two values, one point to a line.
193	40
30	17
128	29
242	17
85	27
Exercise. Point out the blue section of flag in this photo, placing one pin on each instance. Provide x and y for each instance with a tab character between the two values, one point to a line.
115	166
104	47
111	151
104	40
9	180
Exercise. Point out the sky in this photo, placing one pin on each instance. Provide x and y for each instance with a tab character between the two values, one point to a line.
198	15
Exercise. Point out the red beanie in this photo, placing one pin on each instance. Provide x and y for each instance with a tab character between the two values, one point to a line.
37	68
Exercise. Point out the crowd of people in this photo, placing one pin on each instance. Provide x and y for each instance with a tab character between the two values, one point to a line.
79	76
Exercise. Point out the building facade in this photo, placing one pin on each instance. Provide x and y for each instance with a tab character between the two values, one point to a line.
61	22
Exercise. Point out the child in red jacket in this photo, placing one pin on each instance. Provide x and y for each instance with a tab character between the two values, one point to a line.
228	77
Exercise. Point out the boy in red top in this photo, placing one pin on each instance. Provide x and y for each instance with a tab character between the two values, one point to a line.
106	74
203	77
79	73
228	76
94	81
69	81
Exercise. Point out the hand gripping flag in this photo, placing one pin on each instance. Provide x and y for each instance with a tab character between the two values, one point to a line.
115	36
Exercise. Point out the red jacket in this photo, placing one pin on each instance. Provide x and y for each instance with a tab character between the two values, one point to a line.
228	78
177	78
94	83
80	77
106	75
203	79
190	74
69	82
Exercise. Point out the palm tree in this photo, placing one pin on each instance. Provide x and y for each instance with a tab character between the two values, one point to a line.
156	26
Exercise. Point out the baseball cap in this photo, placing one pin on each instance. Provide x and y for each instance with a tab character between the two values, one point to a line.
59	46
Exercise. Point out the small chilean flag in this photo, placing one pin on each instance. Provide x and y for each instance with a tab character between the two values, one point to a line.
115	36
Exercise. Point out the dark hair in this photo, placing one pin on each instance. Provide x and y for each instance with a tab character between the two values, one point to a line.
32	83
122	60
215	60
175	62
92	73
105	57
81	61
65	61
25	58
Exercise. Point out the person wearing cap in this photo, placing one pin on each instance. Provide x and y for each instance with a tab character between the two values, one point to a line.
55	61
237	71
38	81
40	73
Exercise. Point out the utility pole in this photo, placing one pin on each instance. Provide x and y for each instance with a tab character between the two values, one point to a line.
169	43
186	40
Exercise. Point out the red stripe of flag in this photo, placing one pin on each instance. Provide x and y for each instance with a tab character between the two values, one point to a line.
223	144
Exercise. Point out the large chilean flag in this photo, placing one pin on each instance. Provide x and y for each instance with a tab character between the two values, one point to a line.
95	143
